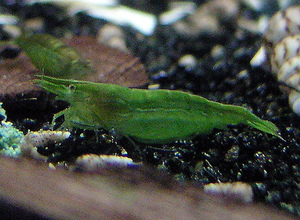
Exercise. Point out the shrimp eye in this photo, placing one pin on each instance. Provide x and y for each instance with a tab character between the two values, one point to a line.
72	87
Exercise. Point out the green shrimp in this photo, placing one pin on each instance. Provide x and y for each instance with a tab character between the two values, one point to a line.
53	57
147	116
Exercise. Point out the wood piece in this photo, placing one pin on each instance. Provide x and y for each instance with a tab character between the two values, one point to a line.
111	66
115	194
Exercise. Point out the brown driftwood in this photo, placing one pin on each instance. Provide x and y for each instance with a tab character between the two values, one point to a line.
112	194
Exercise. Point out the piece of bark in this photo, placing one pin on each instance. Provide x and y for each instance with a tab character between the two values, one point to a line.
16	76
114	194
111	66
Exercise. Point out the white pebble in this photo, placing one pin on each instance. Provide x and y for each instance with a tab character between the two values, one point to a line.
121	15
294	101
32	140
259	58
92	162
176	12
187	61
237	190
112	36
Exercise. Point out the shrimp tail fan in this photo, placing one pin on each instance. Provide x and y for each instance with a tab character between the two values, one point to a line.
265	126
